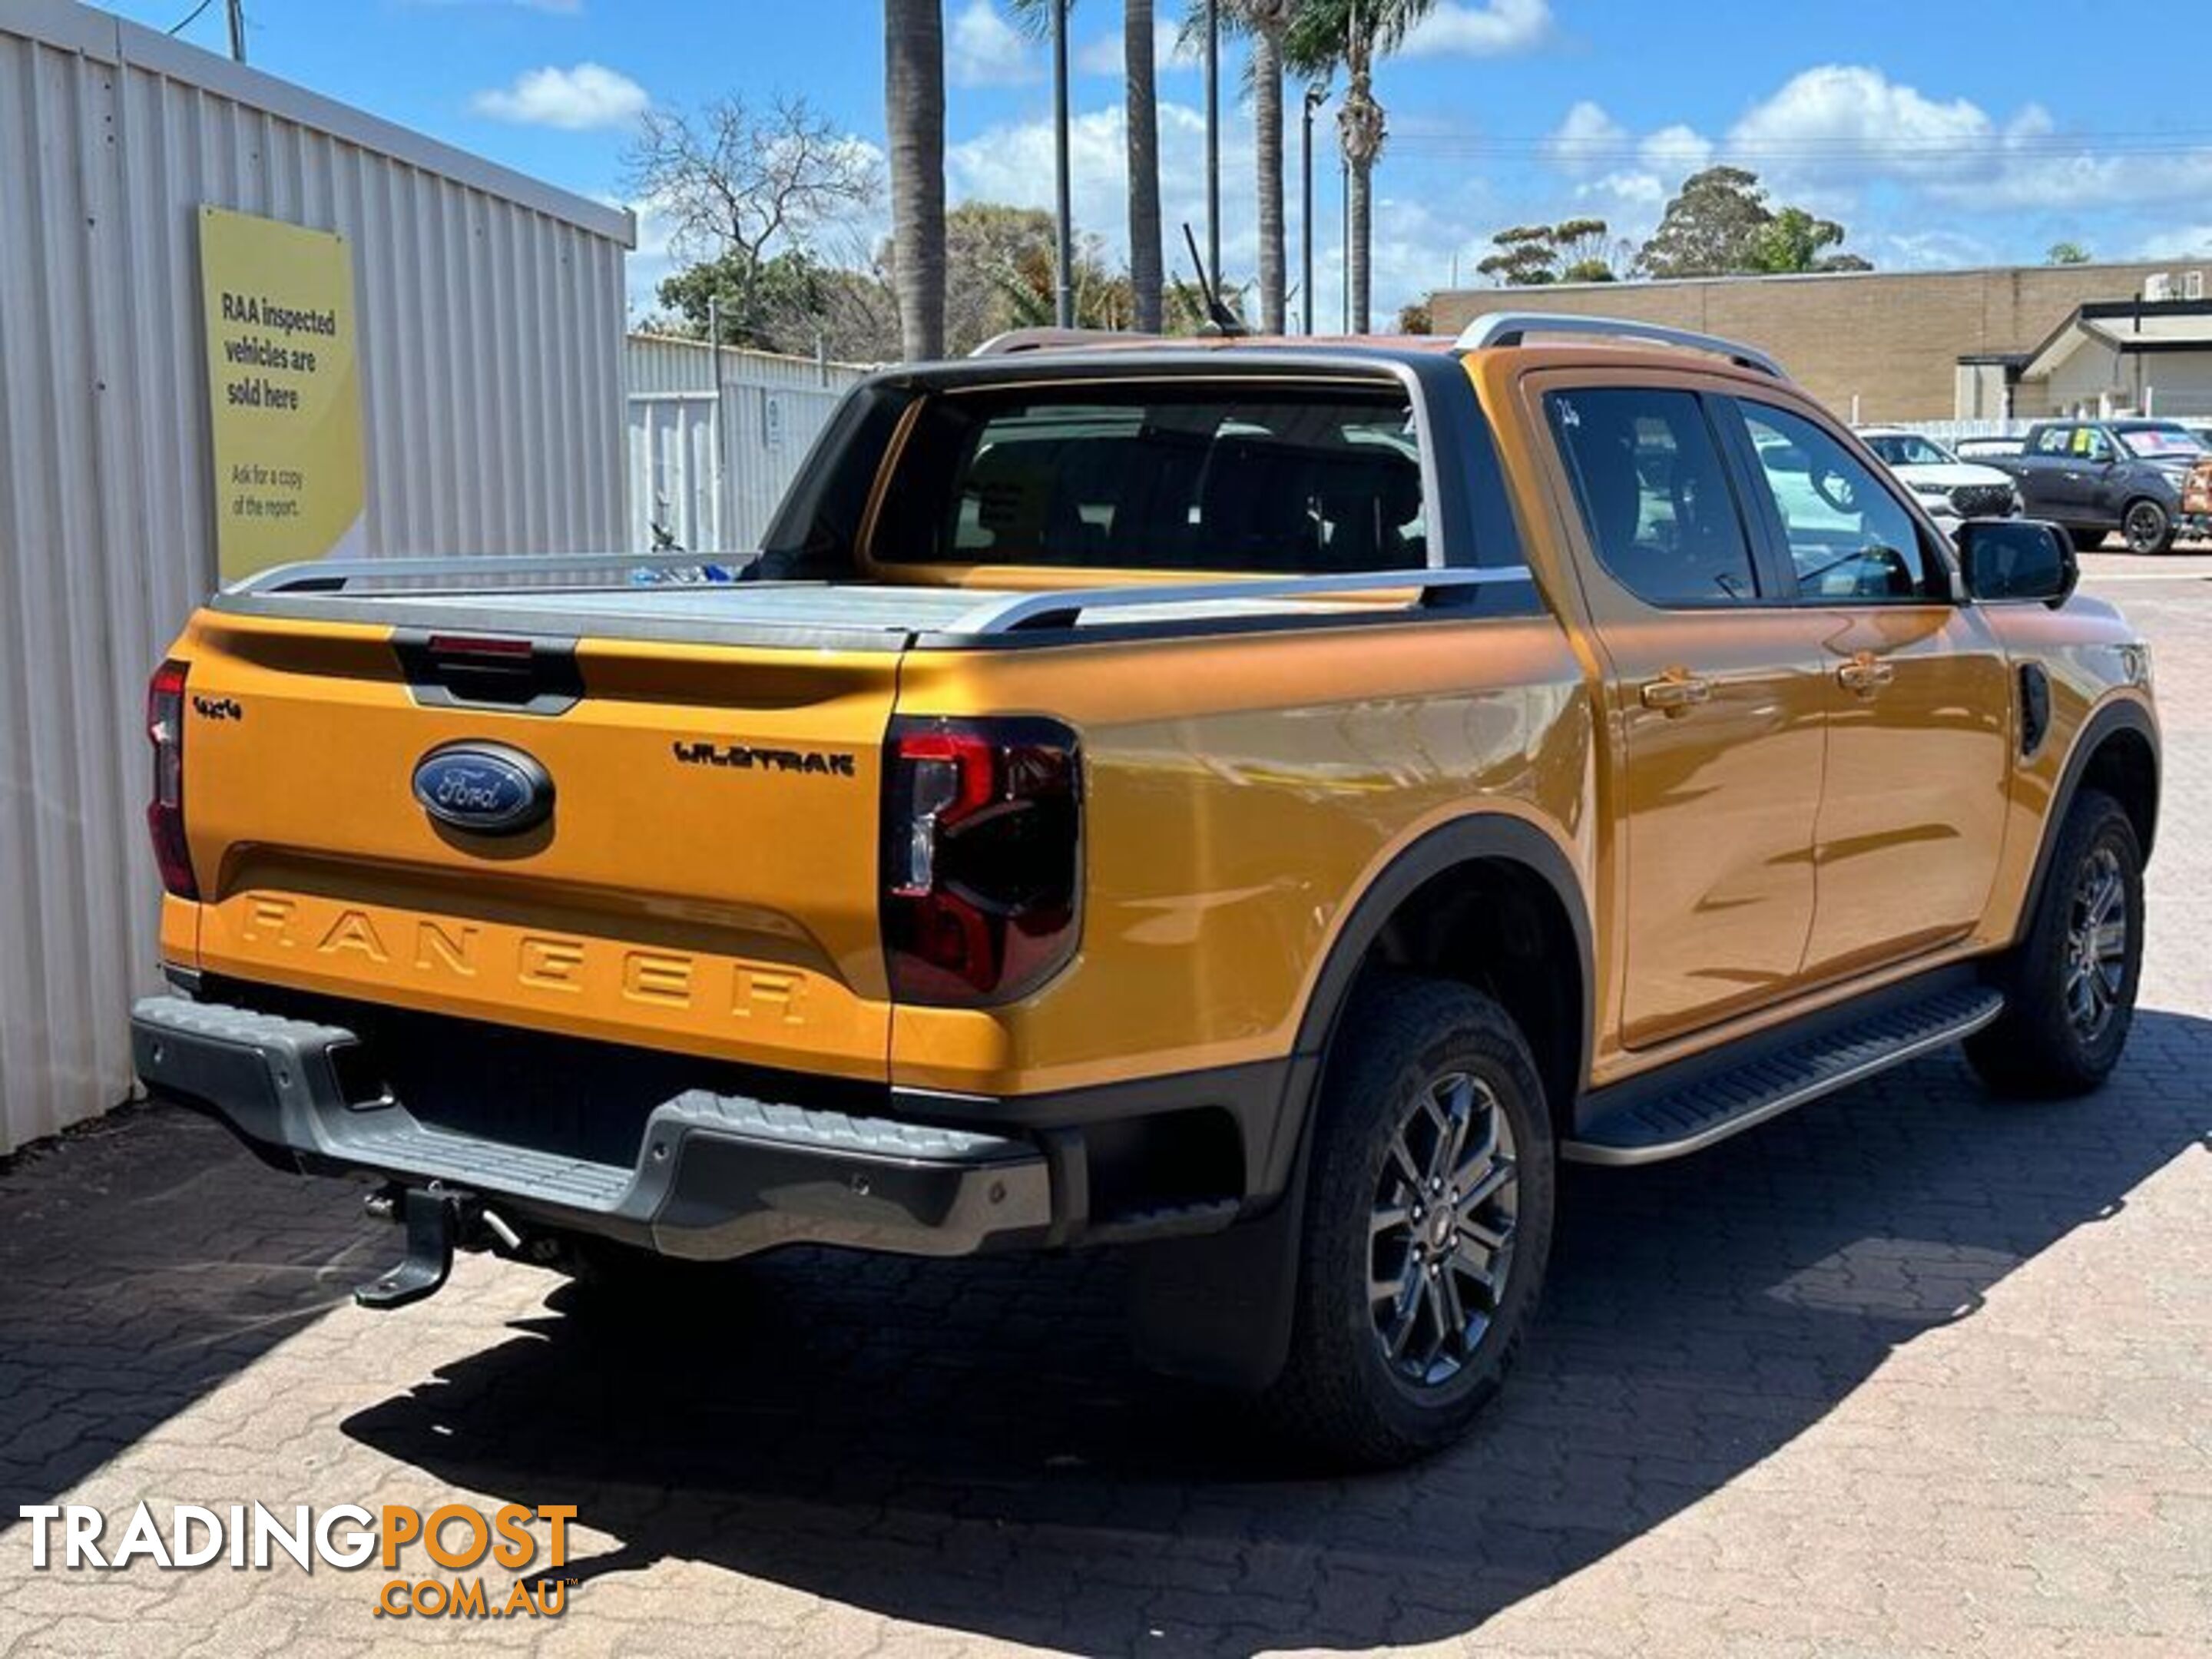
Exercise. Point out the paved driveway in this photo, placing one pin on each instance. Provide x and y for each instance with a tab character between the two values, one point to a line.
1906	1372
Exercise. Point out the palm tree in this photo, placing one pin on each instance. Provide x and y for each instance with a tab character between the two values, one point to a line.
1328	34
1142	119
914	123
1268	22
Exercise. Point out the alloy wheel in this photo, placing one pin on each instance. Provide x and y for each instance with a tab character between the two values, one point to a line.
1441	1233
2096	944
2146	527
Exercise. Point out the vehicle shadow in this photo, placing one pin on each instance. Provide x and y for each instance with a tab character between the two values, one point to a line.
965	1444
144	1261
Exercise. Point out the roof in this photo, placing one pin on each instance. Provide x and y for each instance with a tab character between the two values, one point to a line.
2131	327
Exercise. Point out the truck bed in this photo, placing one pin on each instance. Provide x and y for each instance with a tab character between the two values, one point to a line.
518	596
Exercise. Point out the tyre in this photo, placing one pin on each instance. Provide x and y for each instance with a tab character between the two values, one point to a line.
2070	984
1428	1222
2148	527
2085	540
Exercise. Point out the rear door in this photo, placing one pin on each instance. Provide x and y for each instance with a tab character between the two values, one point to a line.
1715	705
1919	695
706	878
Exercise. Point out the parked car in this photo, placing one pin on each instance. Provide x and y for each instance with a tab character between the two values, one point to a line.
2129	475
1982	449
1950	489
1265	806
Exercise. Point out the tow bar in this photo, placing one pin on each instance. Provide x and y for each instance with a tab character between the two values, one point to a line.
433	1216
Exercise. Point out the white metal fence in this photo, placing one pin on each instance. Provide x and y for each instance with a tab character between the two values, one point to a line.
489	326
709	468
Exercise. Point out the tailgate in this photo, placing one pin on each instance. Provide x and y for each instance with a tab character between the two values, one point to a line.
706	879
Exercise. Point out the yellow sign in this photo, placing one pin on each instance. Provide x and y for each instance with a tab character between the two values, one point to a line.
284	393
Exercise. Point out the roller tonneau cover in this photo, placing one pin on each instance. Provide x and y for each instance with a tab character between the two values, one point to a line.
843	616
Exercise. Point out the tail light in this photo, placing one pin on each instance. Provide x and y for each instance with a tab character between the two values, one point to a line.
165	813
983	861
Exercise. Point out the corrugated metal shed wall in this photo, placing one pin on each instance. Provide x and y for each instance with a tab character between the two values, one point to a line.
681	440
489	314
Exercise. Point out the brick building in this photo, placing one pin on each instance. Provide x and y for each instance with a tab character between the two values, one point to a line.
1882	345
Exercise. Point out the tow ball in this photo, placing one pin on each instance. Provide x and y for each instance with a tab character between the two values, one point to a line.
438	1218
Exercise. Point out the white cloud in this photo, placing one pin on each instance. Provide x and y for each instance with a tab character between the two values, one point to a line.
1494	29
2185	242
1413	238
575	99
1901	166
982	49
1675	152
1586	140
1841	127
1102	55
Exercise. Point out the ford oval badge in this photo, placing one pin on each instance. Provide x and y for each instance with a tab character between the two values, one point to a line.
486	788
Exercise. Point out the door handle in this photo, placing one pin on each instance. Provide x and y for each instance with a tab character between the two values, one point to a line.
1865	674
1676	691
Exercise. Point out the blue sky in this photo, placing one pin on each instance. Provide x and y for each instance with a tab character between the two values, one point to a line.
1939	135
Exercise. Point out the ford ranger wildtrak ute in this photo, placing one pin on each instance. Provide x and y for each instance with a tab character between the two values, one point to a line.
1262	804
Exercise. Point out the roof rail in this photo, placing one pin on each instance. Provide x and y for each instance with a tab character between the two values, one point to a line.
1010	613
1051	339
1512	328
331	575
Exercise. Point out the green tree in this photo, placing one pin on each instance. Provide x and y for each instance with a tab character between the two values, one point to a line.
2067	253
1572	250
1324	36
1719	224
1793	240
792	303
1525	257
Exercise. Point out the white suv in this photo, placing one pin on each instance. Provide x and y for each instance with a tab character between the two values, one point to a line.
1950	489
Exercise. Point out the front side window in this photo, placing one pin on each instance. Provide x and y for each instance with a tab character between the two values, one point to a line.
1654	493
1278	479
1848	537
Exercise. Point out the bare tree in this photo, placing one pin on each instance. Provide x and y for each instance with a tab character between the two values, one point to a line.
741	183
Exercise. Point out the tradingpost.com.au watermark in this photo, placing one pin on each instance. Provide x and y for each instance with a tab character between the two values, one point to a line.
460	1539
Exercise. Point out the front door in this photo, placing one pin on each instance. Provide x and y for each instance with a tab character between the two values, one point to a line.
1716	707
1919	696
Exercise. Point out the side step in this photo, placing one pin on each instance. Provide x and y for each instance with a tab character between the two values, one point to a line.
1647	1127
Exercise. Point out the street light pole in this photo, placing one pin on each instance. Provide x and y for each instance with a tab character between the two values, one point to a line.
1316	92
237	9
1064	299
1213	140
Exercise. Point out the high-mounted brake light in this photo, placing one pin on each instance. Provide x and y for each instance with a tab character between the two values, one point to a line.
165	812
983	858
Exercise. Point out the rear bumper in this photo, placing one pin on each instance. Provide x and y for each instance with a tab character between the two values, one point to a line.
717	1176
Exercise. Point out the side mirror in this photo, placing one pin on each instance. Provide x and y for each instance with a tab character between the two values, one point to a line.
2017	559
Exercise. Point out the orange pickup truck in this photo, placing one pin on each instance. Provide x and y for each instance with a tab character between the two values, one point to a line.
1260	804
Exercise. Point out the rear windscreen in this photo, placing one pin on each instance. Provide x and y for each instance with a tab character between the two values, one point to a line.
1160	477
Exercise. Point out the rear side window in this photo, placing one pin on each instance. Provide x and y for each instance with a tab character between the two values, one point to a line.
1160	477
1654	493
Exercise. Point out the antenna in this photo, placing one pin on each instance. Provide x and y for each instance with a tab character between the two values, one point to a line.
1223	320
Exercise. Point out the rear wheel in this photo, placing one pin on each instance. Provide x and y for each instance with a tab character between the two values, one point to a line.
1428	1222
2148	527
2070	984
